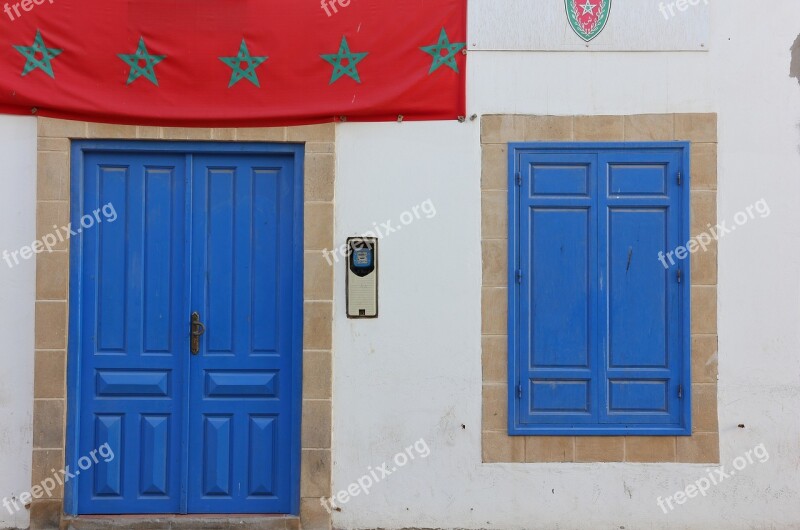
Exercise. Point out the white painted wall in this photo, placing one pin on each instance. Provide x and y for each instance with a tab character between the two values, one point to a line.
17	295
415	372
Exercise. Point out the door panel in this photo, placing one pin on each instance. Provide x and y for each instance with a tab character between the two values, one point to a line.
134	351
241	379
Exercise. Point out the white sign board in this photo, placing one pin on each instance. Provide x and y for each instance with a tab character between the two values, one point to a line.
633	25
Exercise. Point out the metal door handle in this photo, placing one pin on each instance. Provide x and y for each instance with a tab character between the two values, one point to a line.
196	329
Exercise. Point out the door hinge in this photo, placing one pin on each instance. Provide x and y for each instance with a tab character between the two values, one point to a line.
680	178
680	391
518	178
518	275
680	275
519	391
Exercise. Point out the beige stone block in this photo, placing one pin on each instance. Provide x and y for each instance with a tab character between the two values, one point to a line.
696	127
599	128
700	448
48	423
495	408
547	128
318	283
650	449
541	449
494	167
50	217
321	147
51	325
704	408
223	134
52	176
704	358
53	144
495	358
495	262
111	131
498	447
704	265
316	425
317	372
649	127
317	322
149	133
44	461
315	473
261	134
49	374
61	128
314	516
323	132
45	514
318	226
186	133
52	274
502	128
494	308
320	171
599	449
703	211
494	215
704	310
704	166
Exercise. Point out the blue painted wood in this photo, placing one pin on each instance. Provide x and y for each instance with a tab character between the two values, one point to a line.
214	233
239	231
598	328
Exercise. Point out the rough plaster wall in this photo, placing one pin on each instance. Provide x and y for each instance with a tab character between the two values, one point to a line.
415	372
17	294
794	67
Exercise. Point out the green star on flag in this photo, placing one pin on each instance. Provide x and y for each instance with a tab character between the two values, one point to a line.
242	58
448	57
30	52
344	62
141	63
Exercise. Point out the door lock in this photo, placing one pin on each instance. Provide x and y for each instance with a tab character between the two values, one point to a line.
196	329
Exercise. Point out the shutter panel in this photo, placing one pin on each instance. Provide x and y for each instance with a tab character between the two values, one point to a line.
557	339
640	207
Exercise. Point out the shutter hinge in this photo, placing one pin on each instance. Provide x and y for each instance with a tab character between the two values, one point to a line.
680	391
680	275
518	177
680	178
519	391
518	275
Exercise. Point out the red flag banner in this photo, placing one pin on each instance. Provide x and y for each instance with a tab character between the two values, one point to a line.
232	63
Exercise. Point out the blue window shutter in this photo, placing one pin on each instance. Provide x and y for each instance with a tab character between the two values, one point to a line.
599	327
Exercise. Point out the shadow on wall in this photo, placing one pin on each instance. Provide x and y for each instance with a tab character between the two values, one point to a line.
794	67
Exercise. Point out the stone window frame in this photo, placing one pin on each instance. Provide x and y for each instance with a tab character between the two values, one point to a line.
52	300
497	131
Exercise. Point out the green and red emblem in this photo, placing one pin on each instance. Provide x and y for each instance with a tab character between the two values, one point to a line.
588	17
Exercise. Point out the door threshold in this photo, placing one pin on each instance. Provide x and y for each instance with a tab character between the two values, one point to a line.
181	522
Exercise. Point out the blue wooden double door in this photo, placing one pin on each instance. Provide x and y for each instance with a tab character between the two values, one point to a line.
202	247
